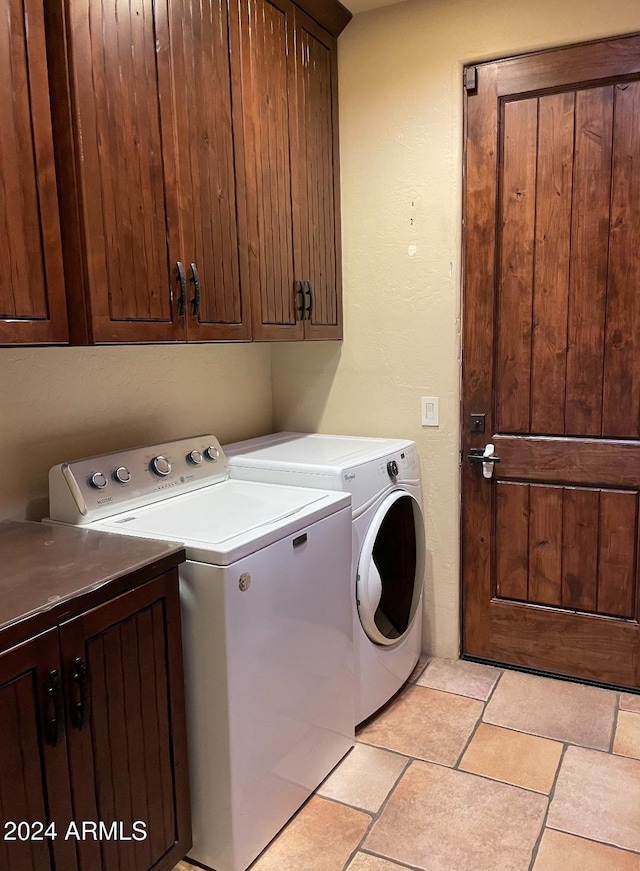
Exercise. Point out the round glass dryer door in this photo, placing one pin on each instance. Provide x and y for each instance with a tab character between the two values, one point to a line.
391	569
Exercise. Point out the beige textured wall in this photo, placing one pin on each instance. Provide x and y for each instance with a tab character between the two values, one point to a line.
401	152
63	403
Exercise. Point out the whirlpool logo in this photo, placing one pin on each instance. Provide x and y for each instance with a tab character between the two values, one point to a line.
349	476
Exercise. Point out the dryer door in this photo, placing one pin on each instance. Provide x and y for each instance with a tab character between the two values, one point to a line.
391	569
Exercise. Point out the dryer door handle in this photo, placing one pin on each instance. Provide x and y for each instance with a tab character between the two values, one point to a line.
374	588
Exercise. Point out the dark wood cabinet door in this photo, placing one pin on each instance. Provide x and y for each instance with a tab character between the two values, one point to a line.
127	743
116	162
34	780
317	173
32	302
204	36
289	78
268	89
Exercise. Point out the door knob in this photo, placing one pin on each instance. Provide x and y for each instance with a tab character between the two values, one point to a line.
485	456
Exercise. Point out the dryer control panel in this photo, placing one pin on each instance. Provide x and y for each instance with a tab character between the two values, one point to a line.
82	491
402	465
368	480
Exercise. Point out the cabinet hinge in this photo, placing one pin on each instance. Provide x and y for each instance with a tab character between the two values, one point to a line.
471	80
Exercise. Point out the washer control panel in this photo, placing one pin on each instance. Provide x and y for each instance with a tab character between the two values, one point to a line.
86	490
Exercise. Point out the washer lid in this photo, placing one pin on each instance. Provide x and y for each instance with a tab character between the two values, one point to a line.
227	521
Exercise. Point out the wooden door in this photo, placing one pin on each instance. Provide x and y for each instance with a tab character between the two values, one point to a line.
34	776
116	161
551	357
268	89
32	300
317	178
204	38
127	744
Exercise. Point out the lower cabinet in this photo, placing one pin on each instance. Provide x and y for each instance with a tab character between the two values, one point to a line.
35	795
93	773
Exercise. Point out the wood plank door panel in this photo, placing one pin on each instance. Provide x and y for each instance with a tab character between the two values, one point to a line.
621	400
270	137
32	298
122	110
316	178
551	356
34	778
205	42
567	547
128	753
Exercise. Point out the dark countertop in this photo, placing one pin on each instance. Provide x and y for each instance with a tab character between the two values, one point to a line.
43	567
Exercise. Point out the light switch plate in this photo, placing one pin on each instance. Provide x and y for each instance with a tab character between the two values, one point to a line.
429	410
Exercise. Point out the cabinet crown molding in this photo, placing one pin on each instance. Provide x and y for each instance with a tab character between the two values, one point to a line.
330	14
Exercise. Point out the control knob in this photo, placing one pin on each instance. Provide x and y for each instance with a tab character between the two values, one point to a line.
122	474
99	481
195	457
212	453
161	465
392	469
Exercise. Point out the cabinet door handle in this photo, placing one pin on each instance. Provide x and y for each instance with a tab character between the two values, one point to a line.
80	706
195	302
309	293
182	299
56	718
300	292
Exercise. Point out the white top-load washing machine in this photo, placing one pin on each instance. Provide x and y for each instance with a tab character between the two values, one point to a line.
388	562
267	629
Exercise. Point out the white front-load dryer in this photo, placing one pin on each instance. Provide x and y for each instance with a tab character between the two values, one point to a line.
388	556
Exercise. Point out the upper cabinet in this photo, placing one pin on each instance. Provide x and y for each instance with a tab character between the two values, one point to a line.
317	220
147	161
32	304
196	158
204	40
289	90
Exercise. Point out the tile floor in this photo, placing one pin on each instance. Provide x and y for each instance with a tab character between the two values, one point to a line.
472	768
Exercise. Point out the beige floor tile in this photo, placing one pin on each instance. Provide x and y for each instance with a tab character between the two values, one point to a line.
439	819
630	702
464	678
425	723
513	757
364	778
561	852
421	664
182	866
365	862
320	838
627	737
597	795
551	708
